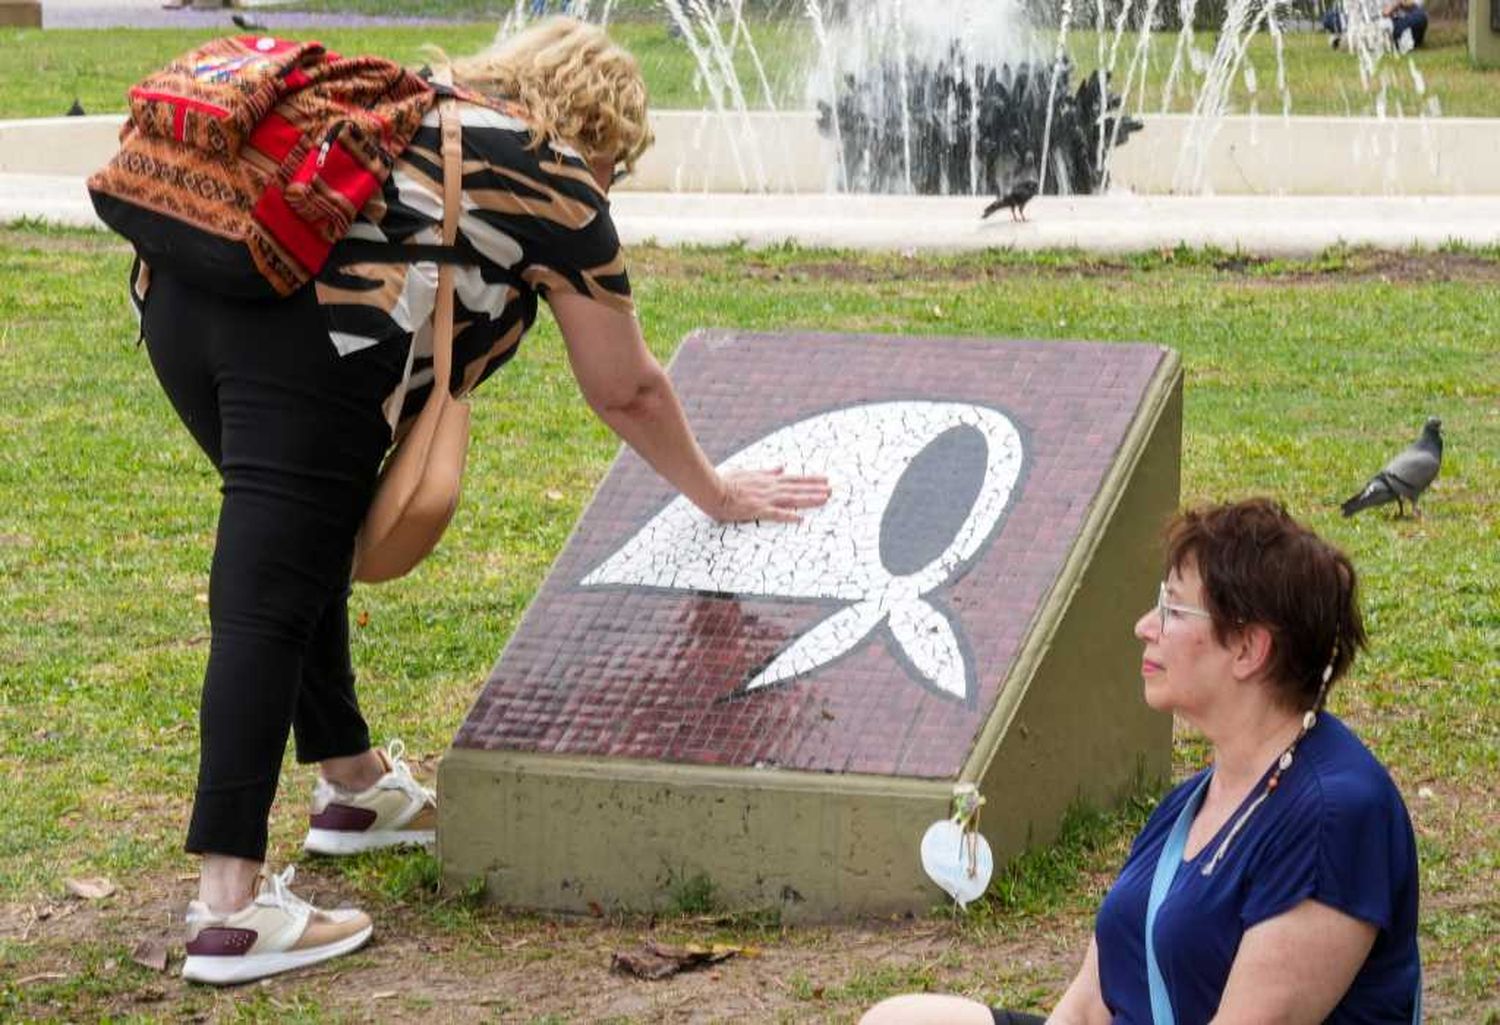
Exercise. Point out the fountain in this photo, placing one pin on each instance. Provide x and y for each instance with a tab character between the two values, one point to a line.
959	101
976	95
988	128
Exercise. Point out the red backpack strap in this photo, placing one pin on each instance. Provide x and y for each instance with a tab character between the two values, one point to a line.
347	124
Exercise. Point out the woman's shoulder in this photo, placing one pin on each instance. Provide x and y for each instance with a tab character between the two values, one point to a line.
1343	763
498	138
1342	782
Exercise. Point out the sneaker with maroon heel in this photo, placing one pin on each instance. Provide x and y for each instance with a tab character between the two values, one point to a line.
394	811
277	932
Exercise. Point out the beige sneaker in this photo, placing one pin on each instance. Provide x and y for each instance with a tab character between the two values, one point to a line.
278	932
396	810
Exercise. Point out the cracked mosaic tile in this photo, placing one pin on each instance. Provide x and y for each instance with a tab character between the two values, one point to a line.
918	488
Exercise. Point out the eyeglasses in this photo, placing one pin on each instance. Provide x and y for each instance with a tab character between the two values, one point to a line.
1163	607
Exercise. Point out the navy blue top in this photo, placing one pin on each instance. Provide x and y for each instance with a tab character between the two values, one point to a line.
1335	830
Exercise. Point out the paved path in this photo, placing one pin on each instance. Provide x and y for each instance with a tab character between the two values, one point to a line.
1270	226
151	14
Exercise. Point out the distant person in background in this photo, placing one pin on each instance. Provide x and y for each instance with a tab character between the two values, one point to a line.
1279	884
1405	20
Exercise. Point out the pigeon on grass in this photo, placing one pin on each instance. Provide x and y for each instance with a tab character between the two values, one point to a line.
1406	476
1015	201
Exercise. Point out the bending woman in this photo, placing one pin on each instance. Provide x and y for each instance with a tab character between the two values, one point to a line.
1293	895
289	400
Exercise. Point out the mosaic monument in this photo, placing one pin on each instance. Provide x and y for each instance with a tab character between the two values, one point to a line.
783	709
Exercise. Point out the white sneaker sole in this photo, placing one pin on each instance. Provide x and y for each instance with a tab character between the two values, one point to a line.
227	970
336	841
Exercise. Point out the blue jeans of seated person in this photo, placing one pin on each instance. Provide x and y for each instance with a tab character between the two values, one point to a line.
1413	20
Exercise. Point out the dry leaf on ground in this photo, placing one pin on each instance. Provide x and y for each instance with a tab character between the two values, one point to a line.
92	888
151	952
654	960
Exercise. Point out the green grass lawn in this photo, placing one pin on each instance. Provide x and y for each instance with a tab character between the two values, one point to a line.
1300	379
44	71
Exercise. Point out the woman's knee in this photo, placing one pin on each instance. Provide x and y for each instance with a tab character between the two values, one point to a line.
928	1009
274	576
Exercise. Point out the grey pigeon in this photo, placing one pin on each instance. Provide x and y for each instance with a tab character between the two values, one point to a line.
1405	477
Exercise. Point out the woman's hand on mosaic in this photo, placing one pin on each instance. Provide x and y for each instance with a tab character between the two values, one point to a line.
767	495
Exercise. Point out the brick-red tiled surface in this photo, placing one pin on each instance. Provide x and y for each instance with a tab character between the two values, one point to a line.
651	673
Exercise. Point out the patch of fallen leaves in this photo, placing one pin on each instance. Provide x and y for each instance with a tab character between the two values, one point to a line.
653	960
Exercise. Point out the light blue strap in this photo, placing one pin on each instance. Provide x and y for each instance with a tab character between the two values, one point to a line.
1161	882
1416	1014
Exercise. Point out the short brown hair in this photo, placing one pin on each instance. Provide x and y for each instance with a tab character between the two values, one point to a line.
1260	566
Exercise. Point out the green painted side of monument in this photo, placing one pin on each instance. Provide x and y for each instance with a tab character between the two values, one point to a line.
1080	730
1484	32
583	833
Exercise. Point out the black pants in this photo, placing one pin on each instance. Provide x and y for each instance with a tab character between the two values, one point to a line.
1003	1017
297	435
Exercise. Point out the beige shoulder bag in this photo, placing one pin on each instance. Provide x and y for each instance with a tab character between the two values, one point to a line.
419	485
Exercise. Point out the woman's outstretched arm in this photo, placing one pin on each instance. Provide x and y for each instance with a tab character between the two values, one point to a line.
623	383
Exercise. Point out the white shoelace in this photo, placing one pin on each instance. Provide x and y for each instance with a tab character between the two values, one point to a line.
395	752
277	893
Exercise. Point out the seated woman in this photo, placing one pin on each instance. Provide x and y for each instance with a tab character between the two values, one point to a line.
1405	20
1288	866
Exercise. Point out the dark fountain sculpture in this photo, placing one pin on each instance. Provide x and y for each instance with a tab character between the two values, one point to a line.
938	119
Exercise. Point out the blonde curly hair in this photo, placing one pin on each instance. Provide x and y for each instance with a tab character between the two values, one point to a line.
579	88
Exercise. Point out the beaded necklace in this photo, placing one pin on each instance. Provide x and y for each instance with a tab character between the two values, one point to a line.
1309	720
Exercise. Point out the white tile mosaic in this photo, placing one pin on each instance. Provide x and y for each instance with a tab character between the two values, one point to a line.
921	485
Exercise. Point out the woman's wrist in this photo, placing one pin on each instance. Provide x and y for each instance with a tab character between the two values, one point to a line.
714	499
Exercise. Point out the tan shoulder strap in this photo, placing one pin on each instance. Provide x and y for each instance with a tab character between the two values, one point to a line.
453	170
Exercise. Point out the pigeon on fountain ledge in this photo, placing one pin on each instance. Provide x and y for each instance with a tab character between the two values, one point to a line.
1015	200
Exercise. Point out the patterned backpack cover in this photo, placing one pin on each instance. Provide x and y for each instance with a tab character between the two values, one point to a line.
243	161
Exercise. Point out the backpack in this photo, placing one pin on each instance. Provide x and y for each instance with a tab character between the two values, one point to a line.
245	160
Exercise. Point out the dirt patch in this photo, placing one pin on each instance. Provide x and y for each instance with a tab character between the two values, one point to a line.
511	968
794	268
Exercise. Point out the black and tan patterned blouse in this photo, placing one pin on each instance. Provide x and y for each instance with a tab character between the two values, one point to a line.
534	221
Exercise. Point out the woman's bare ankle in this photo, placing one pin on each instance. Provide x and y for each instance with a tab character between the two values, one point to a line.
353	772
227	884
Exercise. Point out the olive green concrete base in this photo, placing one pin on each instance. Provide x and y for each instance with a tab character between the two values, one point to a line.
1484	36
20	14
579	834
